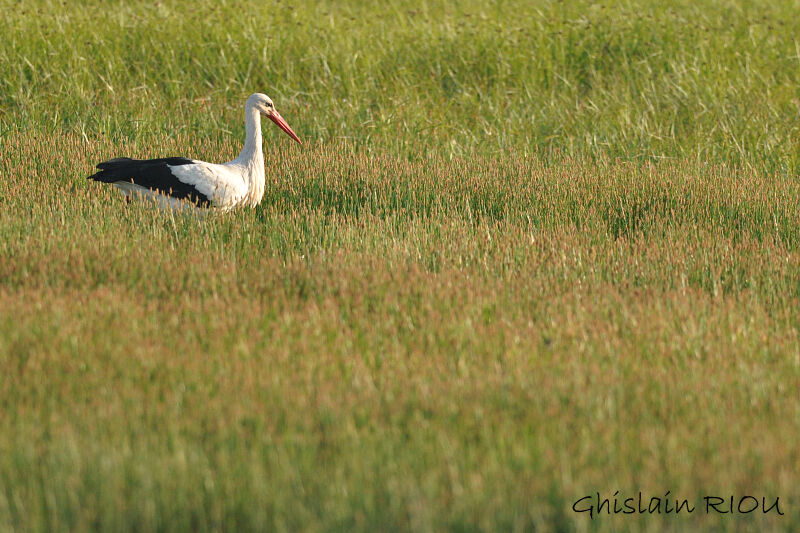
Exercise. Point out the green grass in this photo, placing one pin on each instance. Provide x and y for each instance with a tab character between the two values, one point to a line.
529	252
715	81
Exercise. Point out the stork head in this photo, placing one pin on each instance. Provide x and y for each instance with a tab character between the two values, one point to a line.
263	104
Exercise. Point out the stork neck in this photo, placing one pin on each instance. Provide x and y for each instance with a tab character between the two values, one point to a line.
252	141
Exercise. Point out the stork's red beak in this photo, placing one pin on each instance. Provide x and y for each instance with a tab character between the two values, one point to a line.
278	119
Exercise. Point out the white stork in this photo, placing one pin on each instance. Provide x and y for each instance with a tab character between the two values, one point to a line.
177	182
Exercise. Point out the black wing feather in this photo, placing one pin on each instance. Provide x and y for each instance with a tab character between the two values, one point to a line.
153	174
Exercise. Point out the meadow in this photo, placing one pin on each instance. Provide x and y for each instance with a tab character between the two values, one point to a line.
529	252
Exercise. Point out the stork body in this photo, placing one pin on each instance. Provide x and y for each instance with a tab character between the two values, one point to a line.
177	182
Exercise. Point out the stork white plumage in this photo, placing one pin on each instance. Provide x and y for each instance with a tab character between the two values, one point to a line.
177	182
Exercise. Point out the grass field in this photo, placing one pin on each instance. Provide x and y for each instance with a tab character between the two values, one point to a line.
530	252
